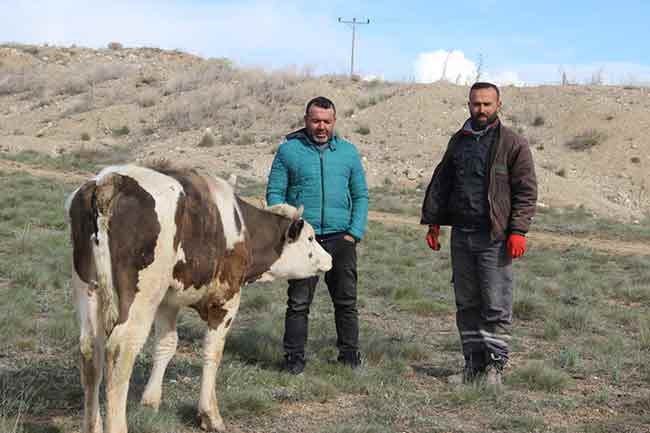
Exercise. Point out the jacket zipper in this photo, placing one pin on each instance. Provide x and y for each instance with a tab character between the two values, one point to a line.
322	194
491	180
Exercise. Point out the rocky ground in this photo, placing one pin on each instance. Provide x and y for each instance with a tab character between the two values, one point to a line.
589	143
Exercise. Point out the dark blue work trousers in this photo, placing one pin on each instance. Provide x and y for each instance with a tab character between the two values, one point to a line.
482	277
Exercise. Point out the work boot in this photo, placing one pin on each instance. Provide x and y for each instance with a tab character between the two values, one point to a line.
494	371
350	359
493	374
294	363
468	376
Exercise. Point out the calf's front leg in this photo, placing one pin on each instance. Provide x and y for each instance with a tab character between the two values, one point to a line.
213	344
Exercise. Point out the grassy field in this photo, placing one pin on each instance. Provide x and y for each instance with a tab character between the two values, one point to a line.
580	361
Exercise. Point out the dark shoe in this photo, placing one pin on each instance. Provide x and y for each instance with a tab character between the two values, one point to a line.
350	359
294	364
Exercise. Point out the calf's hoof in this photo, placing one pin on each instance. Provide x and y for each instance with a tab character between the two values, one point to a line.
212	423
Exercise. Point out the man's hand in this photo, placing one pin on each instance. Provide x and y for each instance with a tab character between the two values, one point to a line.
516	245
349	238
432	237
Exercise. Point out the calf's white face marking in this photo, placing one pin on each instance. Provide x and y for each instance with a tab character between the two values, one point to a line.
302	256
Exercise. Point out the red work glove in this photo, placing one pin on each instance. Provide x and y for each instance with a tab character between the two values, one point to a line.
516	245
432	237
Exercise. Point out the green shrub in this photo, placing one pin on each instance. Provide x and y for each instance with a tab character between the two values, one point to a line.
121	131
363	130
586	140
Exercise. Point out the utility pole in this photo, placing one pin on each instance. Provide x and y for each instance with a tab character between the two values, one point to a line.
354	23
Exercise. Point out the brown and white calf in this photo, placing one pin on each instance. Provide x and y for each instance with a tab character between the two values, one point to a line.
147	242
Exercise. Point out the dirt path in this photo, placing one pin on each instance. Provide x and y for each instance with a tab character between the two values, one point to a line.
546	238
68	176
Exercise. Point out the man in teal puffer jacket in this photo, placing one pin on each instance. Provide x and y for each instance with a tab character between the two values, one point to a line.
322	172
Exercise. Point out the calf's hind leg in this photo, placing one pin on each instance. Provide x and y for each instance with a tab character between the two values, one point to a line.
165	343
91	349
123	345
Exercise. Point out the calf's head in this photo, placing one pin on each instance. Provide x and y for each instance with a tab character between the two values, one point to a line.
302	256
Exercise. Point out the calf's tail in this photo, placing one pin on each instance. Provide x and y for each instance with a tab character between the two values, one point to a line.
88	209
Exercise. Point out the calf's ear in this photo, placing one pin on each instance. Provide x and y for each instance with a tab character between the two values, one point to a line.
293	232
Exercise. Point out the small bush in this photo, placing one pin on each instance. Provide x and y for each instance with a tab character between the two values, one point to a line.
567	358
115	46
245	139
207	140
243	165
348	113
363	130
644	335
31	49
538	121
107	72
74	85
561	172
551	331
80	104
586	140
148	98
635	160
121	132
85	136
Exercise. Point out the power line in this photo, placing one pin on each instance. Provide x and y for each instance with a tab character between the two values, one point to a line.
354	23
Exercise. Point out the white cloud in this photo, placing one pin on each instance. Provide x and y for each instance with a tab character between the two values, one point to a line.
454	67
444	65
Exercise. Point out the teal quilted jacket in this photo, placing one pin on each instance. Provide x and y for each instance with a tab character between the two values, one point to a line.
331	184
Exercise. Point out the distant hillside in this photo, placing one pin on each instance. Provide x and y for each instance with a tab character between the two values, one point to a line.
589	142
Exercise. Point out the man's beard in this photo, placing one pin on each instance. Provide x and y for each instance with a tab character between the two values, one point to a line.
479	124
312	137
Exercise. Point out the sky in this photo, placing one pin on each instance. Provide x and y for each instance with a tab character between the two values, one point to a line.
509	42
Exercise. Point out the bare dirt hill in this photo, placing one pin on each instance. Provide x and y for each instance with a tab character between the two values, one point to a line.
151	103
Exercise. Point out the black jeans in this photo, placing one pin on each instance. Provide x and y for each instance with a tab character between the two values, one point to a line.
482	275
341	282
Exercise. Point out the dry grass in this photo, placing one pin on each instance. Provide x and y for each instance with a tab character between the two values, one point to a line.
571	340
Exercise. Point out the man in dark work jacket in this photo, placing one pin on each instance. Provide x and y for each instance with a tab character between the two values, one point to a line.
484	188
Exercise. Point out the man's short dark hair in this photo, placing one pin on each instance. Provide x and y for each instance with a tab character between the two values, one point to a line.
485	85
322	102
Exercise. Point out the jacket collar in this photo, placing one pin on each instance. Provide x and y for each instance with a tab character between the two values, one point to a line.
467	128
301	134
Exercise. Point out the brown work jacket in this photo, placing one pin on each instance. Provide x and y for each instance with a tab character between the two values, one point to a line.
512	188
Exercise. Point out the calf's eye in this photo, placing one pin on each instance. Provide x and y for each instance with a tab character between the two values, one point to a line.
310	239
311	255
